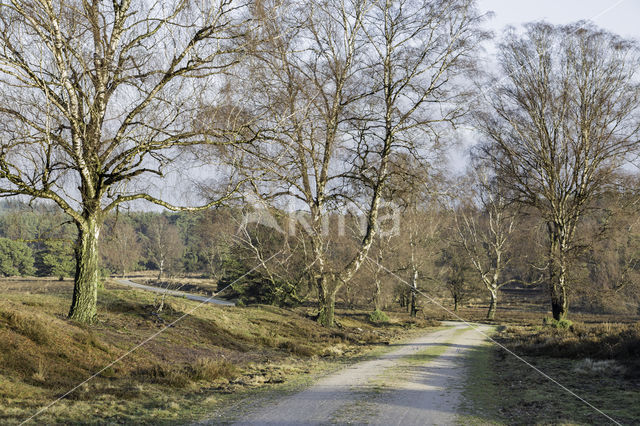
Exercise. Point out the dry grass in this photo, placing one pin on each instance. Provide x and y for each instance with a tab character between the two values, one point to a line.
605	367
209	369
519	307
30	325
178	376
598	341
599	362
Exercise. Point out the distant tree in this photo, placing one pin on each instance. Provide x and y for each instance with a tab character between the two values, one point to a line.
163	244
455	273
55	259
559	121
212	239
485	229
35	223
416	188
20	225
422	224
610	265
380	251
16	258
121	248
191	258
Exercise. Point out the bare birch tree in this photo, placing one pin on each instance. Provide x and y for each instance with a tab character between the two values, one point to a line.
379	253
485	230
163	244
348	85
417	189
562	119
421	225
96	98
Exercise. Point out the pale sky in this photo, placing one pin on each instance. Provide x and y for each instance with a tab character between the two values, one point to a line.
618	16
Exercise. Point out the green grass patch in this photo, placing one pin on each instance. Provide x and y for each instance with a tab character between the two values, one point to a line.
554	323
480	396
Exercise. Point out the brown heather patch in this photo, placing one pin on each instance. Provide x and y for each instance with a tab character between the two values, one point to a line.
598	341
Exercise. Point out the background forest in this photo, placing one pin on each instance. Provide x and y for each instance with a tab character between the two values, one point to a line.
431	252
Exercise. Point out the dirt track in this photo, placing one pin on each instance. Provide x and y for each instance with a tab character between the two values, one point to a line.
189	296
418	382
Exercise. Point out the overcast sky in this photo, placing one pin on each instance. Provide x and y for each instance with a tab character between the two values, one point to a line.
619	16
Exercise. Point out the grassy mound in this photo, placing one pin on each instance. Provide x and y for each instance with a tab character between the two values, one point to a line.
210	354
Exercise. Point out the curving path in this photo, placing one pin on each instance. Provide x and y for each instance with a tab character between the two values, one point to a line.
417	383
189	296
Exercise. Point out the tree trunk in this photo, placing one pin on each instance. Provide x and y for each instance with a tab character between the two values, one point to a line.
493	305
327	310
412	307
376	296
161	267
414	289
327	302
455	303
557	274
85	289
348	299
161	305
559	302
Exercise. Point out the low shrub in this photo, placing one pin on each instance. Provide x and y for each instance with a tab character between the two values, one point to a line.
378	316
554	323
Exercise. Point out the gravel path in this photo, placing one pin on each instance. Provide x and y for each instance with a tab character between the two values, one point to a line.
418	383
175	293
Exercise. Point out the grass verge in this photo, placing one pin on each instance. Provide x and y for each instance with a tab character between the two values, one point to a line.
502	390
